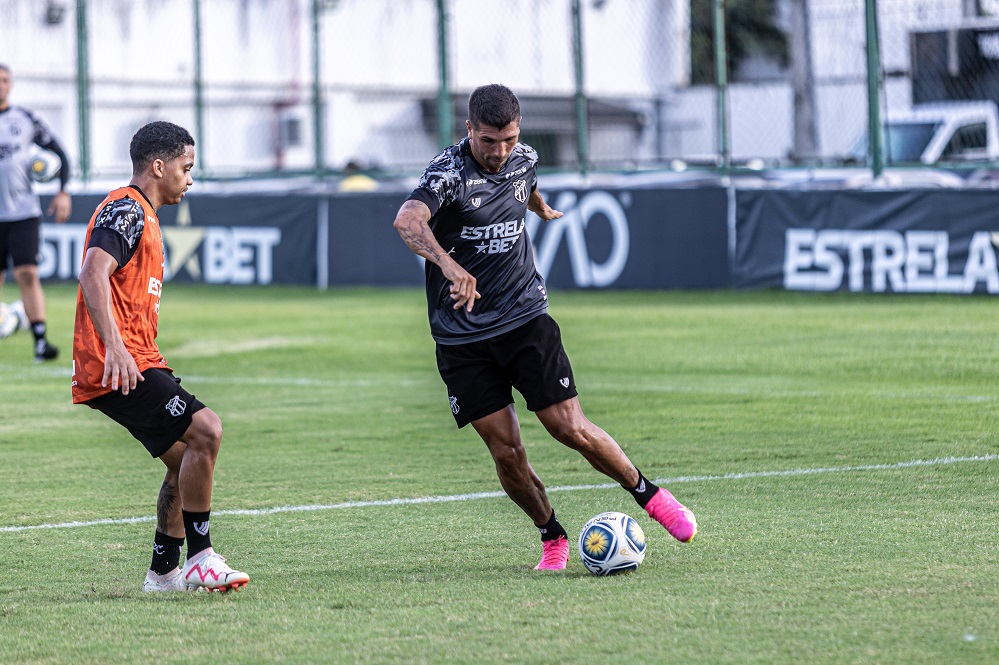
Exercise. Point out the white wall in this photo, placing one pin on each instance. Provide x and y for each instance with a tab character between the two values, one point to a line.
379	58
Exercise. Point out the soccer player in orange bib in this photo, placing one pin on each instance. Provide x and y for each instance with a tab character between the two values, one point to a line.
118	368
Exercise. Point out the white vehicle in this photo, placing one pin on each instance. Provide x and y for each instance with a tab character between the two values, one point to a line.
938	133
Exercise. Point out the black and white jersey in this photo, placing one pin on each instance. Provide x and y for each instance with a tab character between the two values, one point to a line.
478	217
20	129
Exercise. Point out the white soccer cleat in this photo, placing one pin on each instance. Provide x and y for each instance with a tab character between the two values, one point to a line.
171	581
209	571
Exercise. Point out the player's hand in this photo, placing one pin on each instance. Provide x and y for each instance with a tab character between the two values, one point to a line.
536	204
547	213
462	284
61	207
120	369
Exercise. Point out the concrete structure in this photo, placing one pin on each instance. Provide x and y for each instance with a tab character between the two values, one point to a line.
379	72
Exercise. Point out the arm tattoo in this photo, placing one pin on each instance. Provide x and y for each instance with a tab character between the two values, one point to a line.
414	230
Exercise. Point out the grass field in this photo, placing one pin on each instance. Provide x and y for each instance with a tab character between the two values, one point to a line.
840	452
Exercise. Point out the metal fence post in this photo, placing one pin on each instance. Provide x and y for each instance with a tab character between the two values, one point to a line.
582	120
83	88
199	102
721	80
874	132
317	100
445	118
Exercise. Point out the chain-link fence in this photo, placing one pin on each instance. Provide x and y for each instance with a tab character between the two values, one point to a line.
272	87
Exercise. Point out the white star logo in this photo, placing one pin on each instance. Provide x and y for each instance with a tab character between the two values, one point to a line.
482	249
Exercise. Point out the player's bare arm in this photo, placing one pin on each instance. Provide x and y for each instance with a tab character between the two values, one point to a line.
536	204
412	223
120	367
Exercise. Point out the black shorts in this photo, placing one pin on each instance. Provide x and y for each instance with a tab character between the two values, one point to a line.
157	411
19	243
480	376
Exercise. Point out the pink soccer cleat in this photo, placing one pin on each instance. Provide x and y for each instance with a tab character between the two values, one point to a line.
555	554
673	515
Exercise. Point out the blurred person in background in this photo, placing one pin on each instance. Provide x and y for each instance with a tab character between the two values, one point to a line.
20	209
356	180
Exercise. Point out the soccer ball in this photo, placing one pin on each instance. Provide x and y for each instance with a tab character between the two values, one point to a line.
45	166
8	321
611	543
12	318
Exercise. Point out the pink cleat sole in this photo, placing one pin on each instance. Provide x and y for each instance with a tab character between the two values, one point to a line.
234	586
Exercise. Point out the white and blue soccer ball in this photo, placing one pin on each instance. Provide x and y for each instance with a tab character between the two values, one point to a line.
611	543
8	321
12	318
45	165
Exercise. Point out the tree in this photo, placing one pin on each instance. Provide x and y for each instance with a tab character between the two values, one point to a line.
750	29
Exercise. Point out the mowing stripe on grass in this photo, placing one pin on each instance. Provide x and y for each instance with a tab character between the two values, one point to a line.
940	461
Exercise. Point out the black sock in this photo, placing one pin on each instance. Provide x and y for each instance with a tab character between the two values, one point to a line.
552	530
38	329
644	490
166	553
196	530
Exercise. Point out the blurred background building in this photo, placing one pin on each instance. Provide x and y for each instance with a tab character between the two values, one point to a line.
305	87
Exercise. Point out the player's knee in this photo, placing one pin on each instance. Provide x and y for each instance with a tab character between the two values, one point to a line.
26	275
572	433
509	456
207	434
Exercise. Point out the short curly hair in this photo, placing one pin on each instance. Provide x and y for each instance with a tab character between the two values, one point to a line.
494	105
158	140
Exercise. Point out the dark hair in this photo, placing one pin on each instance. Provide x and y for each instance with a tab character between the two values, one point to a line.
6	69
494	105
158	140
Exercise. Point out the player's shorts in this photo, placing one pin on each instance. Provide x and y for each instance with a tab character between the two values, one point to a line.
19	242
157	411
480	375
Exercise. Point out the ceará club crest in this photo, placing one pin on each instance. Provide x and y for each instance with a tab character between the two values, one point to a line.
520	190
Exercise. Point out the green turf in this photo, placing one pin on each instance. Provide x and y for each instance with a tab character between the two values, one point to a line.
331	398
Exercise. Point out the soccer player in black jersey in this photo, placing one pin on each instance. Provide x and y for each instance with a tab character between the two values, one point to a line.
488	312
